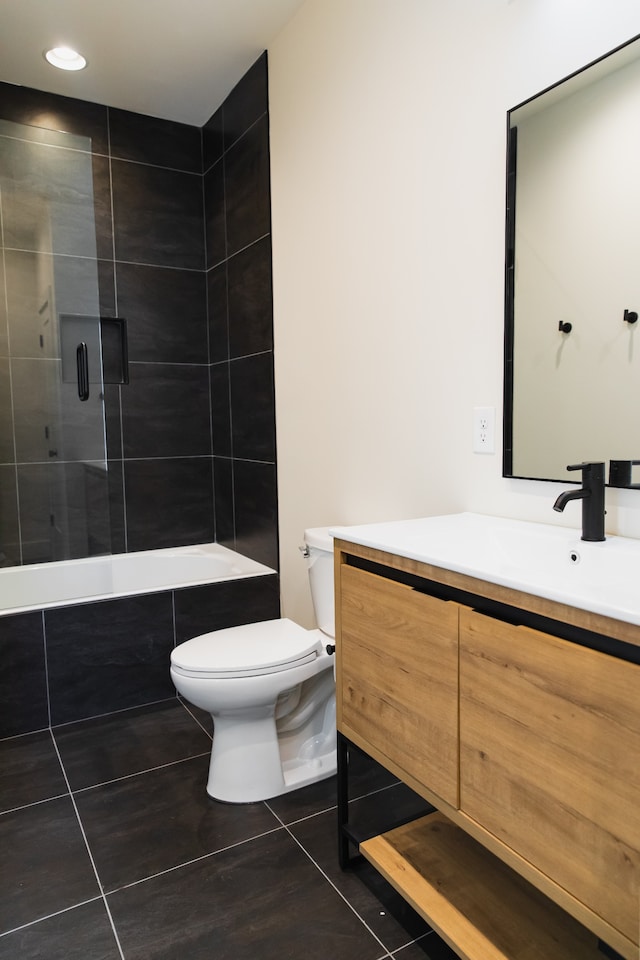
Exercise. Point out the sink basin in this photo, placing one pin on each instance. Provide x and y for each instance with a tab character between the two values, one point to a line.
541	559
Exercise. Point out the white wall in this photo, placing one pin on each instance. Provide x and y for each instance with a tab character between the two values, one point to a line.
388	122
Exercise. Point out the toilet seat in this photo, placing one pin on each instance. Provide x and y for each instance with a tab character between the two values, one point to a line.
254	649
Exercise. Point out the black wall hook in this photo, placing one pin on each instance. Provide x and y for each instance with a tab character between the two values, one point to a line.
630	316
564	327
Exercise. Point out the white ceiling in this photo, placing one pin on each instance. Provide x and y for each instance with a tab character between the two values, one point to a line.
176	59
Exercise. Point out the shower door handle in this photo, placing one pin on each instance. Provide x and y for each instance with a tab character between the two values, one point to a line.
82	362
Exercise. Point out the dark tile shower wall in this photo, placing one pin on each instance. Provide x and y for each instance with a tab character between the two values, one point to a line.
183	255
191	437
238	244
84	660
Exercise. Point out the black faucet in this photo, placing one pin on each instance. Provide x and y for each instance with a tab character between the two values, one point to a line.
592	495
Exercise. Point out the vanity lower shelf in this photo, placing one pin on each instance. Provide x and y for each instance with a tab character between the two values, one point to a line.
477	904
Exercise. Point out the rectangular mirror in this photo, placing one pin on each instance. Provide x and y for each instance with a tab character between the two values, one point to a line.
572	291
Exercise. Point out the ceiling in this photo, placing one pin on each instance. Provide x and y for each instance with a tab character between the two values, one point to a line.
176	59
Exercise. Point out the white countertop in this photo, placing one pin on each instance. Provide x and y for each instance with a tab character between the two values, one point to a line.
541	559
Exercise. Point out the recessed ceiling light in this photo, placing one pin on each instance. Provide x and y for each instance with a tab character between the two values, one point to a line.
65	58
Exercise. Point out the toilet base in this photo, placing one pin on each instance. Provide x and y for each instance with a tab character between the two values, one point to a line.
294	777
269	754
254	770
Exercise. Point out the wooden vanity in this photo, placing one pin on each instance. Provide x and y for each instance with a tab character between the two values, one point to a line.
518	719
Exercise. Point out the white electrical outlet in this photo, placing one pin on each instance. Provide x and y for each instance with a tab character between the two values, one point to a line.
484	429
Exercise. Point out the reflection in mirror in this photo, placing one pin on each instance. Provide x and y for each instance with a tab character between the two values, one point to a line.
572	354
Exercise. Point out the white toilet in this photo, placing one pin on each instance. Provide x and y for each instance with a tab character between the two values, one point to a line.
270	689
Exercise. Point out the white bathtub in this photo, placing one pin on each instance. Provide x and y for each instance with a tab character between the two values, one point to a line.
36	586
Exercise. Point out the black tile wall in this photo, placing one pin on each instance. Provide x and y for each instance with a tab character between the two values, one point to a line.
255	503
220	605
238	226
252	404
246	103
158	215
181	249
23	681
165	411
169	502
7	448
250	300
108	655
4	338
162	143
213	139
168	310
214	214
223	500
218	313
247	198
23	105
85	660
10	538
193	281
221	409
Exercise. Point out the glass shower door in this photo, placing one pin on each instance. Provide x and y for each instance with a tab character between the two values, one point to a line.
54	502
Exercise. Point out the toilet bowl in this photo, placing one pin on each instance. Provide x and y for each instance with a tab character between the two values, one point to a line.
270	689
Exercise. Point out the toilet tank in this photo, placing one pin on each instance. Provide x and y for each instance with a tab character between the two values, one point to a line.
319	554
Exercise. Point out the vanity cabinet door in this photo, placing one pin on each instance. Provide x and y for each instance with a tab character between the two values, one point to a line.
550	759
398	678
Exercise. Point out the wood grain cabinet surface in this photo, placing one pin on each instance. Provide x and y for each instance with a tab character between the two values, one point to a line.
399	678
550	759
527	743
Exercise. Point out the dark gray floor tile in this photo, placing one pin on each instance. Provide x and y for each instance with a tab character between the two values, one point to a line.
202	717
29	771
145	824
430	947
385	911
305	802
264	899
365	776
83	933
45	864
384	809
121	744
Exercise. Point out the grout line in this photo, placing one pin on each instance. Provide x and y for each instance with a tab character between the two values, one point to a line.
230	256
49	916
109	713
130	776
193	716
86	842
34	803
188	863
331	883
46	667
318	813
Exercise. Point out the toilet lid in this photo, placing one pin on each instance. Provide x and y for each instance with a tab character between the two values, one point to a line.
249	650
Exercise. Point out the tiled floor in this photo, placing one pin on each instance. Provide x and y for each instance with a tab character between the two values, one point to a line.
112	849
